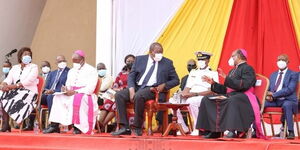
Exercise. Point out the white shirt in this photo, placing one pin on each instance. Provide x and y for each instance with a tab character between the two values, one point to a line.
281	83
152	79
195	83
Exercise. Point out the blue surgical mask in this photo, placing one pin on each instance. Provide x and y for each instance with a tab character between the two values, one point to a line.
102	72
26	59
5	70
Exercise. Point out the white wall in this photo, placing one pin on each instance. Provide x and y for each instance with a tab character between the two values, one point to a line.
18	22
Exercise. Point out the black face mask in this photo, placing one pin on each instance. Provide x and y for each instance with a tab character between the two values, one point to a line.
129	66
191	67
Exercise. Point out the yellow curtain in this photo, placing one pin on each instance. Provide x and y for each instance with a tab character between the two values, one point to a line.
198	25
295	13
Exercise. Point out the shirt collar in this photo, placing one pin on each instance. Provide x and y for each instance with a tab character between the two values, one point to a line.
284	71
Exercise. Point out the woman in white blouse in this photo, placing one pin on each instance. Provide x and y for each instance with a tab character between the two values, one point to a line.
18	92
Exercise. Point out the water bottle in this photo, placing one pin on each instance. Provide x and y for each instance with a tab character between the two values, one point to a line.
36	128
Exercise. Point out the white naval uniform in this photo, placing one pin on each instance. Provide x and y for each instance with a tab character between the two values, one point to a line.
196	85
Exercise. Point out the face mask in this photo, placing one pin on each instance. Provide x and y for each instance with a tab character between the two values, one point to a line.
62	65
76	66
281	64
158	57
202	64
191	67
45	69
129	65
5	70
102	72
231	62
26	59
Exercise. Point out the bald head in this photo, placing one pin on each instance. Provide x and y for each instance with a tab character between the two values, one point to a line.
60	58
283	57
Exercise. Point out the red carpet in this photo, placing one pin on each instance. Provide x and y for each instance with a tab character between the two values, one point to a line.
29	140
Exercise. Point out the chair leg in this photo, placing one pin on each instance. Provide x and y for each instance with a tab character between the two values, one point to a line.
165	120
190	122
150	116
263	124
41	118
46	118
272	127
21	127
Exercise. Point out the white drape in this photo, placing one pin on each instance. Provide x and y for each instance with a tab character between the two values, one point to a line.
135	25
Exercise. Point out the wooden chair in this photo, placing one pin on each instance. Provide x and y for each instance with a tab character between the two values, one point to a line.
151	107
270	111
40	87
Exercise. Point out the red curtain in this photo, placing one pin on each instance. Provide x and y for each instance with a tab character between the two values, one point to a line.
264	28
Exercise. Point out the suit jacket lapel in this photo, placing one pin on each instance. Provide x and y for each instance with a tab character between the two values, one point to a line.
286	76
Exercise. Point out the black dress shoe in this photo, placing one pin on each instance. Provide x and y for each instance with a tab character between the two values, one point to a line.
51	130
122	131
28	128
253	135
212	135
6	129
137	132
230	134
291	135
76	131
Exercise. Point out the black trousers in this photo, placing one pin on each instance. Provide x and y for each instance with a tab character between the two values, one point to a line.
141	96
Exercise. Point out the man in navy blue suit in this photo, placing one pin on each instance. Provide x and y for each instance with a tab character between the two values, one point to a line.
55	80
282	92
148	71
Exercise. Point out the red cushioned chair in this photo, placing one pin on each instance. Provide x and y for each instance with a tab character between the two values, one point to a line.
40	87
269	112
260	90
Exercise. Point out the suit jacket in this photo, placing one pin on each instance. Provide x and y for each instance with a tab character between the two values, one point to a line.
61	81
165	72
288	91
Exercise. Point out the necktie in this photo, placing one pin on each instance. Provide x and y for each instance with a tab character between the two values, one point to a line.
146	79
278	81
56	79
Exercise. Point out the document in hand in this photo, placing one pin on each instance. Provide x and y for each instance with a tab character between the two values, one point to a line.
218	97
59	93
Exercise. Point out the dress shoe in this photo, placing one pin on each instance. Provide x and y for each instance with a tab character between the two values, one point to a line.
28	128
137	132
6	129
76	131
231	134
291	135
51	130
122	131
212	135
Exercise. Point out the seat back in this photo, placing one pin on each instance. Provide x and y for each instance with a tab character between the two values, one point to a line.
261	88
98	86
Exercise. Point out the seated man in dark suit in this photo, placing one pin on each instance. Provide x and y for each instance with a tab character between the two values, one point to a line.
282	92
152	70
55	80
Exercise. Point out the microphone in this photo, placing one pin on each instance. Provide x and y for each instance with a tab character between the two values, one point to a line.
11	52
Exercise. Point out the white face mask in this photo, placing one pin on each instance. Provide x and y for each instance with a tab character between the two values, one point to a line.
46	69
76	66
158	57
231	62
202	64
62	65
281	64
